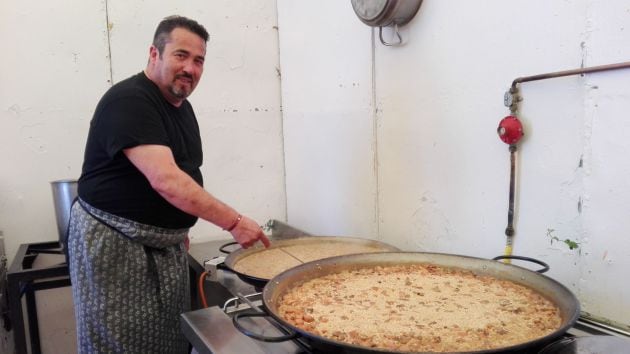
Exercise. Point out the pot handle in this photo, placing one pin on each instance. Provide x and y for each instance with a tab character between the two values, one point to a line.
222	266
291	334
395	44
528	259
223	250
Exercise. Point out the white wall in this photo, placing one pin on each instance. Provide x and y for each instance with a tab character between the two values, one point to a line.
327	104
54	68
59	59
57	65
397	144
402	146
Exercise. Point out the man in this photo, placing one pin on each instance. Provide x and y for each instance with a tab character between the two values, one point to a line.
140	191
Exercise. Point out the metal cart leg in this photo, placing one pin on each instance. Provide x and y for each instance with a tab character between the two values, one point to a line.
33	323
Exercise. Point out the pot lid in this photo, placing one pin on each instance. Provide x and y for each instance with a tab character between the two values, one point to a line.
588	345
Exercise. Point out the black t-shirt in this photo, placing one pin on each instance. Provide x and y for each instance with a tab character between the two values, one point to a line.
134	112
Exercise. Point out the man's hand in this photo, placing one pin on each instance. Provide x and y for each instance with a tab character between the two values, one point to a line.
247	232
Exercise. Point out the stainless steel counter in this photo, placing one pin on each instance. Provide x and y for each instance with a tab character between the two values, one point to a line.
211	331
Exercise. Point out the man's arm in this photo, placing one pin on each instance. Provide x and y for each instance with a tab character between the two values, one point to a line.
157	164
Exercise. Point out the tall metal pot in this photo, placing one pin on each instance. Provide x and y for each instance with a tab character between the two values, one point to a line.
64	193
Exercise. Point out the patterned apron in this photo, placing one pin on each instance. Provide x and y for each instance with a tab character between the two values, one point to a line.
129	283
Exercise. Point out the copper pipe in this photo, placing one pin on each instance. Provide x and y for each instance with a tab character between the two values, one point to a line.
625	65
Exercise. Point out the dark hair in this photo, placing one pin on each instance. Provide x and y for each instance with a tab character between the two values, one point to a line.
168	24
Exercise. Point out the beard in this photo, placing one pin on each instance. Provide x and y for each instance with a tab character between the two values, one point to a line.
181	90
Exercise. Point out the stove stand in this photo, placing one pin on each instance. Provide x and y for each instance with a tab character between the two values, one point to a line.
24	278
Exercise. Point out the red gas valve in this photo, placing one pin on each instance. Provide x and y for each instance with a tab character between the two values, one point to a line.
510	130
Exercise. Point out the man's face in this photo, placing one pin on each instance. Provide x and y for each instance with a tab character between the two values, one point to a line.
178	70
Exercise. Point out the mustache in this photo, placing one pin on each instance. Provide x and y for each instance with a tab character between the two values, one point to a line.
184	75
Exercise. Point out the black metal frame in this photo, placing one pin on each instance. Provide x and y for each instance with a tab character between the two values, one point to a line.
24	280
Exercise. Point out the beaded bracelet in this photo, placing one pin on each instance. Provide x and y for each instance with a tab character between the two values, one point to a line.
238	219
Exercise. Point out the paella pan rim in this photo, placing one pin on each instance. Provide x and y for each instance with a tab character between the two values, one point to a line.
550	288
241	253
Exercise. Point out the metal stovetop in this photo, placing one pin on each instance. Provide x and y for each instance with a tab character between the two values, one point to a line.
211	330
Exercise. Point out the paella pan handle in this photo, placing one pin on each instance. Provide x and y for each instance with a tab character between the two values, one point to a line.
223	248
528	259
291	334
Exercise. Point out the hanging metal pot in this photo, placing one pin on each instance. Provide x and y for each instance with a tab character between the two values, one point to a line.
383	13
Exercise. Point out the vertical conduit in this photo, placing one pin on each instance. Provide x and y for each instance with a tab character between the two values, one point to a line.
375	137
109	45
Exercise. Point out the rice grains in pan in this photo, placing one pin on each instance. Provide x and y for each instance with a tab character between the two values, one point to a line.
419	307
